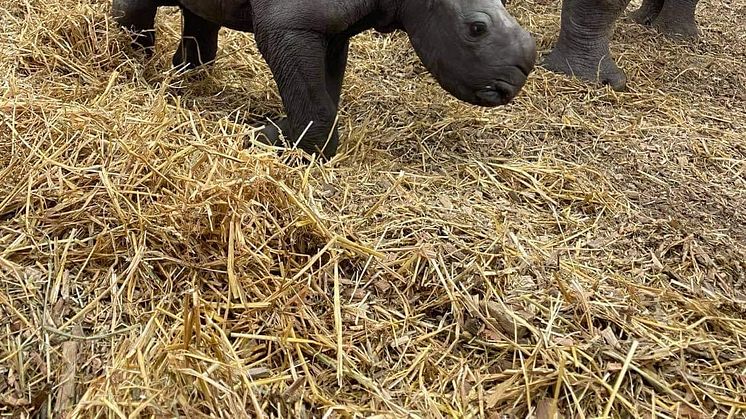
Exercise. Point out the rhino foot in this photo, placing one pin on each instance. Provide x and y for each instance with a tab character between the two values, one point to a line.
582	49
273	133
672	18
277	134
595	66
138	18
647	12
142	41
199	42
676	27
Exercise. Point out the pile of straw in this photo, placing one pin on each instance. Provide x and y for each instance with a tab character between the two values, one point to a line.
578	253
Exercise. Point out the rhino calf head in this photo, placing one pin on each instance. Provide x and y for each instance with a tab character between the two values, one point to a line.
474	48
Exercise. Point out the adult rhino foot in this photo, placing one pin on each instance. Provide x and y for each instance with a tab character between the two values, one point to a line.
592	66
672	18
676	28
142	42
648	11
582	49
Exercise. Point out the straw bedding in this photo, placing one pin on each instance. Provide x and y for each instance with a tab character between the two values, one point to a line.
578	253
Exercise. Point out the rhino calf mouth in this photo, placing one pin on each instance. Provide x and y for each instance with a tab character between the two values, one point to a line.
503	89
497	94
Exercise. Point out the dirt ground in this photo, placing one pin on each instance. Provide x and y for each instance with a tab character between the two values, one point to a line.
580	252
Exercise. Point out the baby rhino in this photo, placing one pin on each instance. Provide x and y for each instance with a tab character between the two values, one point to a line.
474	49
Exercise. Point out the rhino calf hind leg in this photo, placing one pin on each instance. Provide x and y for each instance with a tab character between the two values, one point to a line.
199	42
138	17
647	12
583	46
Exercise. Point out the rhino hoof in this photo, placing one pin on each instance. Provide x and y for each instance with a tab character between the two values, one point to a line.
598	68
645	15
273	134
676	29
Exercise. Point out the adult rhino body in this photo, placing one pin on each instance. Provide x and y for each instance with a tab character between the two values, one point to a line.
473	48
586	27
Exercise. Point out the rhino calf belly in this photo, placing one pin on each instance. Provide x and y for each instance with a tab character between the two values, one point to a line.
233	14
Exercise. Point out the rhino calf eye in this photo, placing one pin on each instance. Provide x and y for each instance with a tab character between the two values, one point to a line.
477	29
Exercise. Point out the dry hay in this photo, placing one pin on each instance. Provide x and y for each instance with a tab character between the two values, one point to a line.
579	251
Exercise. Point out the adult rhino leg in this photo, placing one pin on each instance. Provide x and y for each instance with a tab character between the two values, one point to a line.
199	41
647	12
583	46
299	61
138	17
676	19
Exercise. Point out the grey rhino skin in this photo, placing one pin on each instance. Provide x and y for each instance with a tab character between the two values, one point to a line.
586	27
474	49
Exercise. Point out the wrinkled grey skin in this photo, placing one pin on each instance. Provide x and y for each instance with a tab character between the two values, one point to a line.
473	48
586	27
674	18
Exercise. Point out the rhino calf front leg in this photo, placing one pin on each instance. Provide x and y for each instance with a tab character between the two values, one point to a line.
308	69
335	65
199	41
583	46
138	17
